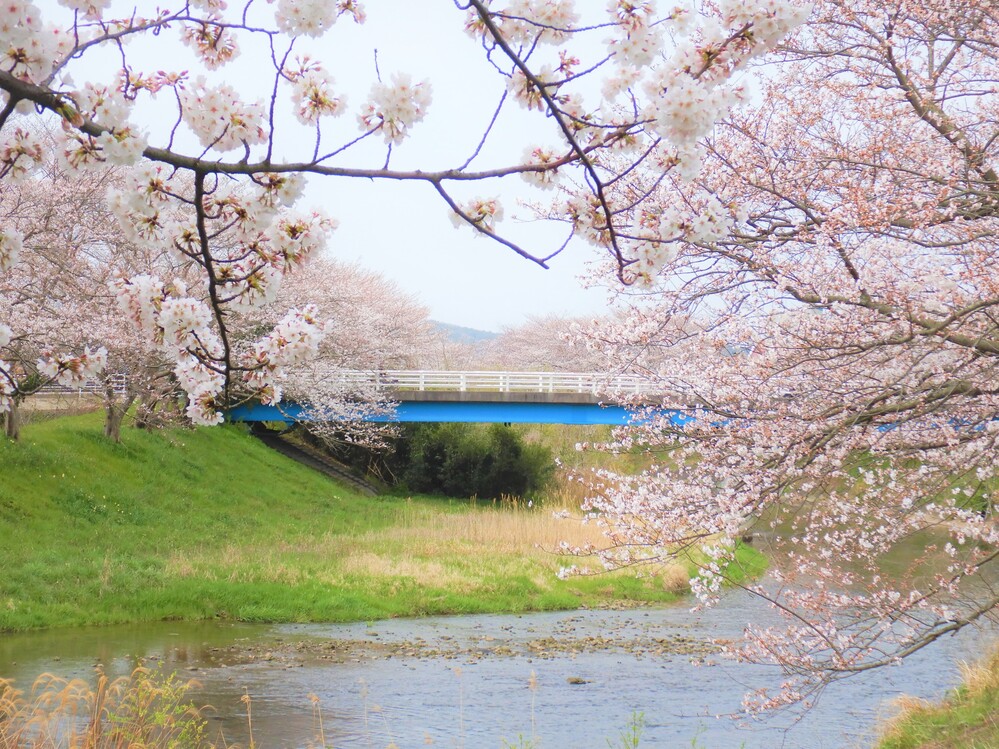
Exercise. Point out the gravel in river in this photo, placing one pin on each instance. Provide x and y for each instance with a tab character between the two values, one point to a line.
560	643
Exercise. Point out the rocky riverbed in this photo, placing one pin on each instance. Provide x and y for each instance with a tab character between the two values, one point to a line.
628	636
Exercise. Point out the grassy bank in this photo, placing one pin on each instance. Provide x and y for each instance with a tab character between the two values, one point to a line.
966	719
209	523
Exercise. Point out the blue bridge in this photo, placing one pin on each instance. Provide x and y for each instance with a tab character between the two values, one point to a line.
499	397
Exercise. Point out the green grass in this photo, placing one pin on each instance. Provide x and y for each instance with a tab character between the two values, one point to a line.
563	438
968	718
209	523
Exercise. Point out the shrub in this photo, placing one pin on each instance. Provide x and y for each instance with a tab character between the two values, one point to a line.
466	460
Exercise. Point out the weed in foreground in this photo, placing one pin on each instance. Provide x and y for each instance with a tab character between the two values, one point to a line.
523	742
520	743
149	710
145	709
632	735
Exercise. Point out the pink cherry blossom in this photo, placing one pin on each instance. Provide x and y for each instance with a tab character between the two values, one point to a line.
394	109
219	117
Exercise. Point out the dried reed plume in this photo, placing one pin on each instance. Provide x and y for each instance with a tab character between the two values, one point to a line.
145	709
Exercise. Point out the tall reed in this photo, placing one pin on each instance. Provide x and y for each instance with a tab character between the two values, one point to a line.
145	709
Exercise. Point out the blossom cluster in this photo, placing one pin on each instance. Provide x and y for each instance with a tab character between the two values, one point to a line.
667	82
527	93
11	245
687	96
91	9
182	327
256	241
640	38
29	47
658	234
588	217
545	179
296	237
482	212
394	108
19	155
214	44
220	118
70	369
102	104
294	340
312	92
204	385
524	21
262	238
314	17
278	189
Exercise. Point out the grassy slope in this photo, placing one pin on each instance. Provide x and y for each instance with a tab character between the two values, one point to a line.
207	523
966	719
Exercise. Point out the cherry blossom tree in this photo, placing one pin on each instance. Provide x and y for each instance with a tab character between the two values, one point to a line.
369	325
49	299
60	296
580	344
217	179
447	351
548	343
837	249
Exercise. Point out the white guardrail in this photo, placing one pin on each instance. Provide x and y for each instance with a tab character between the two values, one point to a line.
497	382
119	383
592	383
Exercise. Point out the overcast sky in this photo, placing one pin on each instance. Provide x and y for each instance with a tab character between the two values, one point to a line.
403	230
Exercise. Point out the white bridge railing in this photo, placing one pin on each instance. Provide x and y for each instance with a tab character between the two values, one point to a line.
592	383
497	382
119	384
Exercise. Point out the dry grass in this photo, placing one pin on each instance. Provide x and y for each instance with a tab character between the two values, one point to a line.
142	710
464	551
449	549
909	707
982	676
565	492
62	403
676	579
458	551
569	488
968	718
425	572
505	527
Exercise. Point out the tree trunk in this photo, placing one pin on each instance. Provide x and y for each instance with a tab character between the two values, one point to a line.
114	414
12	419
144	411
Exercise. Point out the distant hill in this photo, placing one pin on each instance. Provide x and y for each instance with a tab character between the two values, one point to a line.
460	334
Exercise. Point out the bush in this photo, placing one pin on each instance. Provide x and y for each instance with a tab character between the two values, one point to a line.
469	460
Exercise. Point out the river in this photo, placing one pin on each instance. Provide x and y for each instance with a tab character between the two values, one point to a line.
566	679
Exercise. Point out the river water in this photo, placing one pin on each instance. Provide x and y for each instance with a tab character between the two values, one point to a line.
567	680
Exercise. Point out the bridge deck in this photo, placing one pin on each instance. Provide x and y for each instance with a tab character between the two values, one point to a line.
471	396
497	397
472	412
